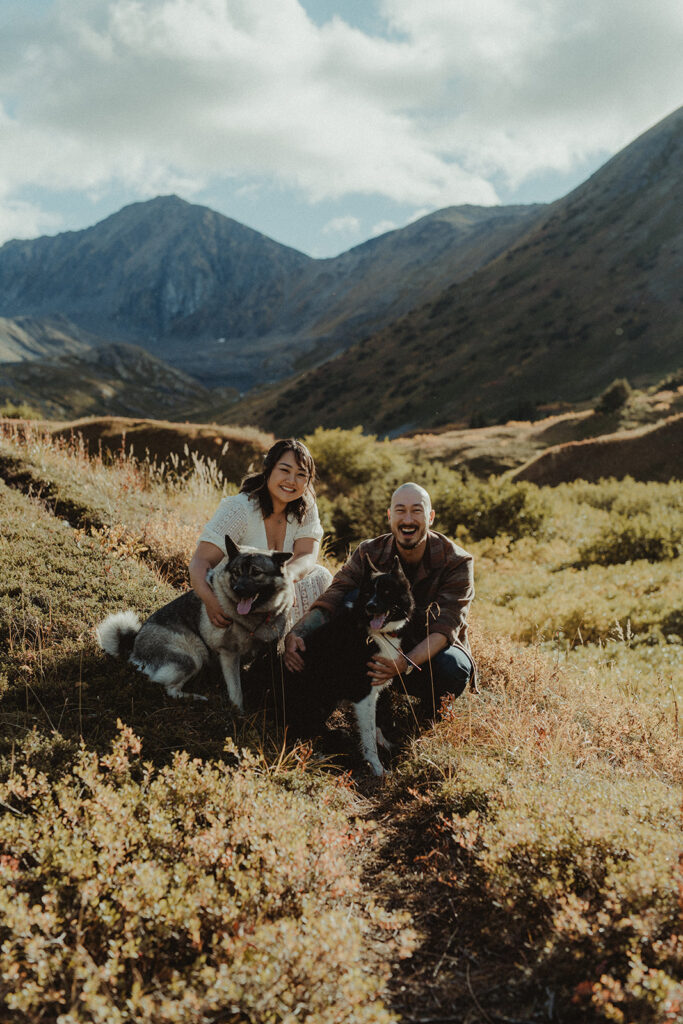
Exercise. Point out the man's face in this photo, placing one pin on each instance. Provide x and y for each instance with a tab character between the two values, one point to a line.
410	517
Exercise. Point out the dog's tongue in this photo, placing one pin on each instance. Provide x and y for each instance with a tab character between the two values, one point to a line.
244	606
378	621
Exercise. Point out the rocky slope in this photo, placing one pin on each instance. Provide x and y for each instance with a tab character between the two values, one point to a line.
164	274
34	338
117	379
592	292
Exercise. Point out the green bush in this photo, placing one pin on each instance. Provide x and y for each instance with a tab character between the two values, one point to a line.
655	538
624	497
358	475
22	411
490	508
198	892
347	458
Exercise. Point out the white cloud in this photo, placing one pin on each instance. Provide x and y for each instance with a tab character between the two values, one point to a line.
167	95
537	84
382	227
26	220
342	226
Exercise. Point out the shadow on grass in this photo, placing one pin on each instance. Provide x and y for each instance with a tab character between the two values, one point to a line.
82	697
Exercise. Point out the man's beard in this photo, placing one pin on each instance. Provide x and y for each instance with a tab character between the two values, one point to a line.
412	541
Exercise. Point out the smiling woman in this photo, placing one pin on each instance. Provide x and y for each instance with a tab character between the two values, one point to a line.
275	510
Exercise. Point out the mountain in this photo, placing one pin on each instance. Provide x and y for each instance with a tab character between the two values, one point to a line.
116	379
225	303
33	338
345	297
593	291
164	274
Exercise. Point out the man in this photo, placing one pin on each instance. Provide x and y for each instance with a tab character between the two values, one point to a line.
442	582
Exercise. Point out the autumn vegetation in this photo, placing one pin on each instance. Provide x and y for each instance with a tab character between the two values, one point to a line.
167	862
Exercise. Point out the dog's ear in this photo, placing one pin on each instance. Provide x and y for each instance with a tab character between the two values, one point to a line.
281	558
370	568
231	549
397	569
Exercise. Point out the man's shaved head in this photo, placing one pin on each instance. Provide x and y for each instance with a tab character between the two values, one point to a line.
402	495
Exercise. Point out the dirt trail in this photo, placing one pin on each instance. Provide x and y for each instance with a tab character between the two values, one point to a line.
456	975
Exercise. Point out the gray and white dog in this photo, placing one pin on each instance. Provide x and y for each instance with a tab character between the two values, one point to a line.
253	588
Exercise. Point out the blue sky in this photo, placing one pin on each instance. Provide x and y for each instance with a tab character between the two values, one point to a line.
320	123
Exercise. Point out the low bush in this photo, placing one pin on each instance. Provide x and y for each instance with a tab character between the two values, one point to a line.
625	497
19	411
345	459
491	508
358	475
656	537
201	891
614	397
524	813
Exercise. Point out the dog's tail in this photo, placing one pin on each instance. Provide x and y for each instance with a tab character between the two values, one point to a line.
116	634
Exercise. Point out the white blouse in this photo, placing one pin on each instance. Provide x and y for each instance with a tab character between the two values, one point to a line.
241	518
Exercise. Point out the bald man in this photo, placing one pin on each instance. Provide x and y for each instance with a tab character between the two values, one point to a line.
442	581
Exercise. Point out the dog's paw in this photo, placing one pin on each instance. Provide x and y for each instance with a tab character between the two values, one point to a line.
383	742
376	767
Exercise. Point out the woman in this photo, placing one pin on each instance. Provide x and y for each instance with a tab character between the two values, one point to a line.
275	510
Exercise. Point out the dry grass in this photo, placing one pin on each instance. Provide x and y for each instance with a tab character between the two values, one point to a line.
532	834
535	837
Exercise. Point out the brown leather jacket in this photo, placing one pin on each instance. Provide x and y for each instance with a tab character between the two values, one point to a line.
443	586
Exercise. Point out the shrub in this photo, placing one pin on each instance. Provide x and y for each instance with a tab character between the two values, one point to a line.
670	382
489	508
614	397
526	808
22	411
358	474
196	892
655	538
348	458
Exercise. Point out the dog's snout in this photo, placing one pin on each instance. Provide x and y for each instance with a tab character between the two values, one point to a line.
245	587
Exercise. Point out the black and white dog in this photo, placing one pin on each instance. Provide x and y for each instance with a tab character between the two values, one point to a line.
337	655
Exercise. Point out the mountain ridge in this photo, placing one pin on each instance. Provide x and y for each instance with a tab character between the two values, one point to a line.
115	379
592	292
225	303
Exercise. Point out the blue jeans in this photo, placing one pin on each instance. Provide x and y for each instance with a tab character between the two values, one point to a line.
451	671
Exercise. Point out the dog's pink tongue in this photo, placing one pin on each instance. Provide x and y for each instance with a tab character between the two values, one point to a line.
378	621
244	606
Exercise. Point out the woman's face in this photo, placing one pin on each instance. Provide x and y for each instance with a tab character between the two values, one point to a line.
288	479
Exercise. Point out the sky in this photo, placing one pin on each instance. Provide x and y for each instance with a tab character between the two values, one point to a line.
320	123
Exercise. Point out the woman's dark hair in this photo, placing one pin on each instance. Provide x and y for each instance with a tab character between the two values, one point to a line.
256	486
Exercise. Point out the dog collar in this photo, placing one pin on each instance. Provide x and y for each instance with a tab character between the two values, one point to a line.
264	623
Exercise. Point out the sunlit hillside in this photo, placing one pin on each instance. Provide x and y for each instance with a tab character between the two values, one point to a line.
167	861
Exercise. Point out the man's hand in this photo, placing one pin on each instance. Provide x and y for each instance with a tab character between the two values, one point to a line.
381	670
292	657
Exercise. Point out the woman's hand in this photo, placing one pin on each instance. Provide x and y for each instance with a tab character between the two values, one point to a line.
206	557
292	658
215	612
381	670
